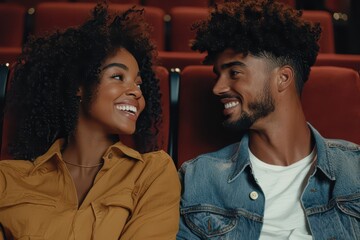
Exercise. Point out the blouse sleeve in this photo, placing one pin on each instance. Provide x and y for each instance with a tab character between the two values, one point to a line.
156	215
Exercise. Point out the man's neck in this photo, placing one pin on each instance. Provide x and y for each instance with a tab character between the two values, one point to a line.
282	142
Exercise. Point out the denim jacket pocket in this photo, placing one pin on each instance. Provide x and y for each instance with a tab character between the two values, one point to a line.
341	219
208	221
350	205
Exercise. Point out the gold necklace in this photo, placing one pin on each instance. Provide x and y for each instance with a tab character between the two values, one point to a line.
83	166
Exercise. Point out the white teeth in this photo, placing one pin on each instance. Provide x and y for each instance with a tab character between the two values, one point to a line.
231	104
127	108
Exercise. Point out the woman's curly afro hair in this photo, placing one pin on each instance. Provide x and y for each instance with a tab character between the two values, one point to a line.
48	74
262	28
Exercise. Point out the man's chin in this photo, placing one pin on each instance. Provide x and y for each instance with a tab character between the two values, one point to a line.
239	125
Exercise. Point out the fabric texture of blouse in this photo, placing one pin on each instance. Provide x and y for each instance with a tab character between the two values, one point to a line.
134	196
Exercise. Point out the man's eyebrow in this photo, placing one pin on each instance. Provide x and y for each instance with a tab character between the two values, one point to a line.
229	65
120	65
234	63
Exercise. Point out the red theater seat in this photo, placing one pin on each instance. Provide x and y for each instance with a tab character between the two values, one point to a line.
339	60
136	2
327	39
167	5
291	3
179	59
50	16
9	54
12	22
331	102
182	19
32	3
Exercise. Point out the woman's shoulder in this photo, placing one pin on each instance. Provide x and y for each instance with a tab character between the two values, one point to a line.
160	158
13	170
16	166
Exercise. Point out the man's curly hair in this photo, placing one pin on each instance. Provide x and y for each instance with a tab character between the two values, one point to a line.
42	97
263	28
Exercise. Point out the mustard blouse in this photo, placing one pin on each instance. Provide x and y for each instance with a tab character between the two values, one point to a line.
134	196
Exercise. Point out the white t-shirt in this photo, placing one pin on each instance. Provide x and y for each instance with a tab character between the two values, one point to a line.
284	217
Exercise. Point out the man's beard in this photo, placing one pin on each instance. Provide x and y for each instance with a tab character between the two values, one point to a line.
260	108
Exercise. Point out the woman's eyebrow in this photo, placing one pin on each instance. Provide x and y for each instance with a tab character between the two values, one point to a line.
120	65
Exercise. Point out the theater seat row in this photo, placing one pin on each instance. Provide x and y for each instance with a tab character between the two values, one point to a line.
164	5
192	115
174	35
171	35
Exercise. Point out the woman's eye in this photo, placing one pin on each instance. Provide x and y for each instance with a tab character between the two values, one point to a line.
139	85
117	77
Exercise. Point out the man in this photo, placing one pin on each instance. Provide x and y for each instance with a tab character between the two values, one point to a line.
282	180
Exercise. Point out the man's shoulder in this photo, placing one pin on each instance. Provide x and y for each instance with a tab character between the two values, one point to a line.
343	145
226	155
342	149
342	160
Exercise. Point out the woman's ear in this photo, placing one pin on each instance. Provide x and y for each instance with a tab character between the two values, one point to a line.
285	78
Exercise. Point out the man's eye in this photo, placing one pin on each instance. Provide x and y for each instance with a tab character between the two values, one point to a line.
233	73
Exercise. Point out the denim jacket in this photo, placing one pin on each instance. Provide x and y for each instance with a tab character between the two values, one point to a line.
216	202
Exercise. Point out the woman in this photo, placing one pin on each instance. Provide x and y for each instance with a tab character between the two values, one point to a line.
73	94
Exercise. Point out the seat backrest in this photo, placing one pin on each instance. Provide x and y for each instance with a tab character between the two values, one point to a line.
12	25
331	102
200	115
137	2
340	60
164	131
179	59
327	39
32	3
9	54
182	19
164	134
167	5
52	15
291	3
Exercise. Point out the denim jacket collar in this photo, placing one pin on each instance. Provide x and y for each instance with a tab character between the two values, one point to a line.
242	159
324	162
